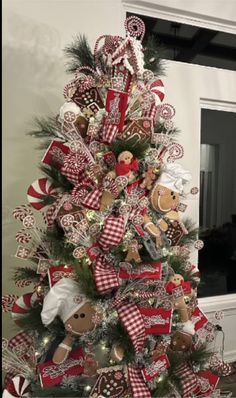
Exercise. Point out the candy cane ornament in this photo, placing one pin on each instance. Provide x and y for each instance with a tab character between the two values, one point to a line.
8	301
38	190
17	387
157	88
20	212
22	307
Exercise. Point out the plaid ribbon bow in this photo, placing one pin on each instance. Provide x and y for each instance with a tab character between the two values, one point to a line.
188	379
92	200
138	386
105	276
109	132
132	320
112	233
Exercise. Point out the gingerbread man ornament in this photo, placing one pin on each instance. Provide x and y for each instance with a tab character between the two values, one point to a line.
132	251
164	199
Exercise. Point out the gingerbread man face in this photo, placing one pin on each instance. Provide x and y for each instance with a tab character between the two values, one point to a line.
164	199
82	320
176	279
181	341
125	157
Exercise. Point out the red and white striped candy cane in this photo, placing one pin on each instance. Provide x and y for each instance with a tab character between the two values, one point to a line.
18	387
157	88
22	307
38	190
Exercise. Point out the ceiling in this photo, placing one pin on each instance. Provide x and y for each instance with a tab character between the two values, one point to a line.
192	44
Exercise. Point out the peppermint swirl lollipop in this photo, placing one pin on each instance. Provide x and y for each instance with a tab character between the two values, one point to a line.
135	27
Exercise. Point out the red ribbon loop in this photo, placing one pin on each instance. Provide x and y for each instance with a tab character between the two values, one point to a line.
132	320
138	386
105	276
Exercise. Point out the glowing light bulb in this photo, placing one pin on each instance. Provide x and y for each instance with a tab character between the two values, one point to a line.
45	340
160	379
87	388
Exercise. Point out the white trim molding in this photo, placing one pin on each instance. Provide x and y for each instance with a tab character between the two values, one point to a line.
227	304
216	105
152	9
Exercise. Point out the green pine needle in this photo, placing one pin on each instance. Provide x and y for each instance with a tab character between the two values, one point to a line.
44	127
160	129
32	321
200	356
193	232
153	54
178	265
80	54
60	249
57	391
59	180
137	149
25	273
87	282
118	335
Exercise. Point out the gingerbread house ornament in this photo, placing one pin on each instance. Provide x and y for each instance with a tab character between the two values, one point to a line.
141	129
111	383
87	96
127	59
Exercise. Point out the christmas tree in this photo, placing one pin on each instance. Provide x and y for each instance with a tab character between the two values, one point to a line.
113	310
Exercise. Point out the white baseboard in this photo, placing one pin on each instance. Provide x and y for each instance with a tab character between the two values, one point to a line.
230	356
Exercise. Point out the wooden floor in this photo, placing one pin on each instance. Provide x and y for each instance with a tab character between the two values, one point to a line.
229	383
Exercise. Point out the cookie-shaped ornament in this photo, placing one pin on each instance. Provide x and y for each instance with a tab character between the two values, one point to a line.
181	341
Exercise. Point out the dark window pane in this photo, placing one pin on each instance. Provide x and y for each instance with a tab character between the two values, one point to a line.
192	44
217	260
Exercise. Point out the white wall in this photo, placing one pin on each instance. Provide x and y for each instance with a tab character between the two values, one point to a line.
34	33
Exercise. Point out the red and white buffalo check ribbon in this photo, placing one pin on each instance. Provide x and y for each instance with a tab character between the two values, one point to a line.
132	320
188	380
112	233
138	386
92	199
109	132
105	276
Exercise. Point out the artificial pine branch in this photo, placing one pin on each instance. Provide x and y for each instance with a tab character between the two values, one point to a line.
118	335
87	282
32	321
193	232
136	148
38	391
160	129
60	249
44	127
80	54
25	273
200	356
153	52
178	265
59	180
163	388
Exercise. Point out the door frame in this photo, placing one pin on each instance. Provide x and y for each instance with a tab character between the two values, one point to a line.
225	303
